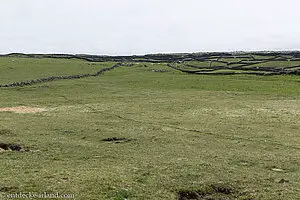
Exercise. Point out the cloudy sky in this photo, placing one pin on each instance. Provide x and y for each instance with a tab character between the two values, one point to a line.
124	27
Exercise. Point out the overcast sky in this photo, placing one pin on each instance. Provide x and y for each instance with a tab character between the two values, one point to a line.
124	27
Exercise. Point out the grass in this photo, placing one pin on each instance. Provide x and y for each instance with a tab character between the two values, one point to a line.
14	69
188	131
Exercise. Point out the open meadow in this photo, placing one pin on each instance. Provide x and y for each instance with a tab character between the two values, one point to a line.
151	130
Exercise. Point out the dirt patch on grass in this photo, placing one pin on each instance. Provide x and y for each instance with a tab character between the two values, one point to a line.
116	140
22	109
213	192
9	147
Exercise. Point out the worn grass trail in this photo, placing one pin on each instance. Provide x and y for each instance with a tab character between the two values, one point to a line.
183	133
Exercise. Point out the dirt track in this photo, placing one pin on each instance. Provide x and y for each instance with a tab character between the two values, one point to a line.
22	109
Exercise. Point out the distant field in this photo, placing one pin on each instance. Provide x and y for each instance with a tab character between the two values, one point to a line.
22	69
150	131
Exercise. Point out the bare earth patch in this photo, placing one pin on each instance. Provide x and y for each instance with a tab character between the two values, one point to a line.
22	109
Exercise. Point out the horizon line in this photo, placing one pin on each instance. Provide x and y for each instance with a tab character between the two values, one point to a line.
154	53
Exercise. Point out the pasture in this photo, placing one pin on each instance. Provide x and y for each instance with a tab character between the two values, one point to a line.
149	130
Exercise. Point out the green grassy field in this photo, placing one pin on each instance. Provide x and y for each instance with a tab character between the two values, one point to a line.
188	132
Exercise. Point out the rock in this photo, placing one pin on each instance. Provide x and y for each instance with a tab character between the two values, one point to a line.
277	170
4	146
283	181
15	147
